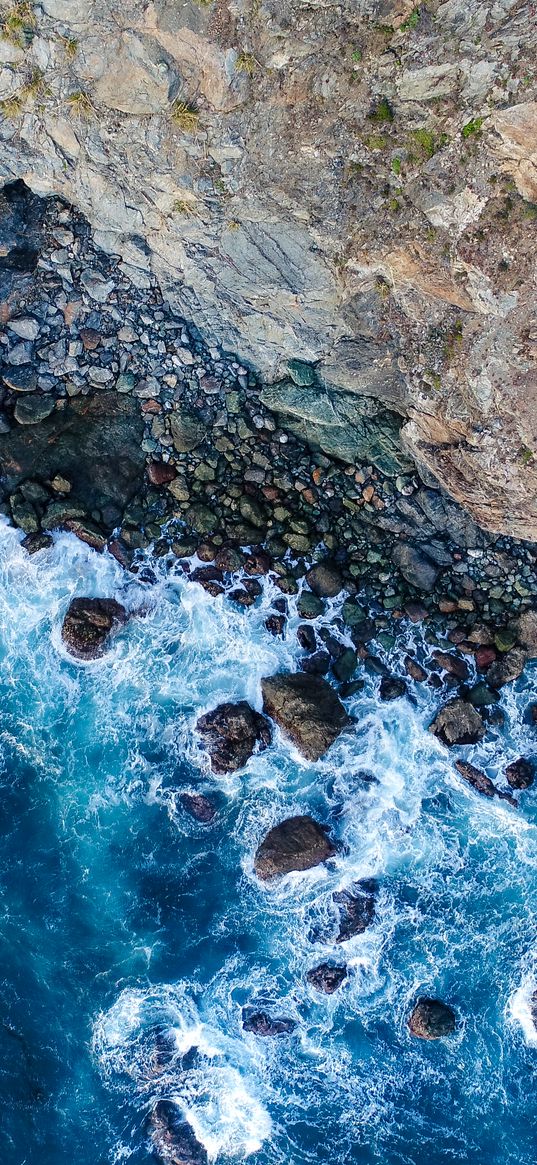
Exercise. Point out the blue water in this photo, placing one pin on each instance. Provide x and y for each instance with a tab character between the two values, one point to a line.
118	913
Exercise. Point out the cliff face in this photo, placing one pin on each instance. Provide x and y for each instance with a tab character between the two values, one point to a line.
351	185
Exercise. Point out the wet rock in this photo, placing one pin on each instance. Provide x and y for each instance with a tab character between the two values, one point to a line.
307	710
211	579
299	843
172	1137
198	806
35	542
325	580
230	734
228	559
316	664
458	722
31	409
258	562
357	909
392	688
507	668
416	567
306	637
309	606
276	624
431	1019
521	773
160	472
22	379
453	664
253	512
415	670
480	782
327	977
345	665
481	696
89	624
262	1024
241	597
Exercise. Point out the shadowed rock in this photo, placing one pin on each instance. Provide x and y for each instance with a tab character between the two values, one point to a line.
327	977
507	668
307	710
431	1019
392	688
230	734
299	843
458	723
173	1139
480	782
262	1024
521	773
325	580
198	807
357	909
89	624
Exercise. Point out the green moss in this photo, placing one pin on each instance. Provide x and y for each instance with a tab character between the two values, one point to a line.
382	112
246	63
396	166
426	142
356	55
376	142
472	127
18	25
80	104
412	21
184	115
70	46
526	456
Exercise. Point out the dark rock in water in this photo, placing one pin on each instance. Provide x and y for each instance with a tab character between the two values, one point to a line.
33	408
172	1138
481	696
345	666
351	688
507	668
431	1019
415	670
479	781
458	723
241	597
275	624
392	688
325	580
262	1024
453	664
34	542
231	733
258	562
88	625
299	843
316	664
530	715
357	909
309	606
327	977
521	773
416	567
210	578
198	807
363	631
307	710
526	630
306	637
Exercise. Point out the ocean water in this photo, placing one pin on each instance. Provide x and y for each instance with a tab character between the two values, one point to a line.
120	917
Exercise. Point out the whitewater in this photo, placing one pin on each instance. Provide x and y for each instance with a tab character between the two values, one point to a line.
121	916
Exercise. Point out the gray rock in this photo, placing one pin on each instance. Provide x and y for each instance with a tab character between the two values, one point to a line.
97	287
299	843
325	580
458	722
20	379
31	409
173	1139
307	710
187	430
415	566
327	977
25	326
230	734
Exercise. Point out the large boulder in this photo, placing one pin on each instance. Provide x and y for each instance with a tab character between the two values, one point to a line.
173	1139
458	722
89	625
507	668
431	1019
527	632
327	977
307	710
263	1024
521	773
325	580
298	843
357	909
480	782
415	565
230	734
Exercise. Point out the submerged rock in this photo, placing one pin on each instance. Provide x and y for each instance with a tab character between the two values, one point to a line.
431	1019
327	977
231	733
173	1138
458	722
479	781
299	843
38	541
357	909
307	710
198	806
89	624
521	773
392	688
262	1024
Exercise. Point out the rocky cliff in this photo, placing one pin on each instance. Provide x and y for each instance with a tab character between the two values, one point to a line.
350	185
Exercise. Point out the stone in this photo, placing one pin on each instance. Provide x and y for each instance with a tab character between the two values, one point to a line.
20	379
309	606
211	579
526	630
431	1019
199	807
252	512
415	670
357	909
507	668
306	709
35	542
520	773
306	637
31	409
453	664
27	327
325	580
231	733
95	284
392	688
160	472
187	429
89	625
316	664
327	977
416	567
345	666
260	1023
173	1139
297	844
481	696
276	624
60	484
480	782
458	722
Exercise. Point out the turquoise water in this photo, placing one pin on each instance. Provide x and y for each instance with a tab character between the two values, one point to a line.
120	915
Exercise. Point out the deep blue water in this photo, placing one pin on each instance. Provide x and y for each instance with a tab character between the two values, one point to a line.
119	913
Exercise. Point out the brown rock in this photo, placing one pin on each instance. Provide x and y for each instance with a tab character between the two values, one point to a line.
307	710
173	1139
327	977
198	807
452	663
521	773
507	668
89	624
299	843
480	782
325	580
431	1019
230	734
160	472
458	722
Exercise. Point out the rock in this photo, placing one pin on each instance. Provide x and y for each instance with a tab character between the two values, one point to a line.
415	670
230	734
172	1137
453	664
252	512
306	637
276	624
35	542
345	665
187	430
299	843
23	379
60	484
357	909
520	773
481	696
325	580
208	577
160	473
307	710
392	688
309	606
89	624
458	723
316	664
526	629
415	565
479	781
507	668
431	1019
198	806
327	977
32	409
262	1024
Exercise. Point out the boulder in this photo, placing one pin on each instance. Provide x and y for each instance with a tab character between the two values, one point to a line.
458	722
521	773
34	542
392	688
230	734
453	664
415	565
187	430
172	1138
262	1024
198	807
479	781
307	710
89	624
507	668
325	580
527	633
31	409
327	977
357	909
298	843
431	1019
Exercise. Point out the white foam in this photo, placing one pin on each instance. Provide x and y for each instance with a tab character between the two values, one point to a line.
520	1008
